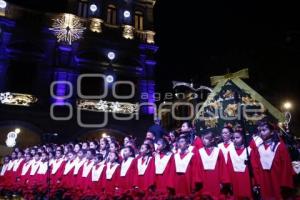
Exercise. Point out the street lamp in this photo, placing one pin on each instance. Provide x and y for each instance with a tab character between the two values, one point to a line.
287	106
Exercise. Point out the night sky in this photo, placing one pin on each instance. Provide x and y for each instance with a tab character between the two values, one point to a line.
214	37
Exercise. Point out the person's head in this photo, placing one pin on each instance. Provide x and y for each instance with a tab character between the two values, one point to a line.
126	140
58	154
149	142
68	148
81	154
208	139
226	133
14	155
113	157
37	156
98	158
27	150
150	135
266	130
93	145
128	152
41	150
113	147
20	154
17	149
238	138
163	145
104	144
49	148
85	145
59	148
186	126
71	155
51	155
90	154
172	136
28	156
183	143
145	150
33	151
6	159
77	147
44	156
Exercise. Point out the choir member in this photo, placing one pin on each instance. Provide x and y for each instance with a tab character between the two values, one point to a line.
227	144
95	185
276	169
56	173
93	145
9	175
187	130
214	174
188	169
112	172
25	172
145	169
3	172
42	175
77	147
68	174
128	170
164	165
239	170
104	148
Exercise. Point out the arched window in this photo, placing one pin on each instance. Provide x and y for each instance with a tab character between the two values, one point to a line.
138	20
111	17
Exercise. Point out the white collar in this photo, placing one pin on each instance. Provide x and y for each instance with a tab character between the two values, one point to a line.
209	161
161	163
143	166
182	164
125	166
111	170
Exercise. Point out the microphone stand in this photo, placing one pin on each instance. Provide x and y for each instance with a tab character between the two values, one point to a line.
255	194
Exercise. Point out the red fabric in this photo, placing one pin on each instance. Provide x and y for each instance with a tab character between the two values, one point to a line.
212	179
165	180
241	180
280	175
95	188
113	183
127	182
198	143
148	179
184	183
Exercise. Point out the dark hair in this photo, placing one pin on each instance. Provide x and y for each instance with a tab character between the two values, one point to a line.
148	148
131	150
187	140
99	156
93	151
21	151
83	151
80	146
106	142
116	144
166	145
28	154
229	127
272	127
117	156
189	124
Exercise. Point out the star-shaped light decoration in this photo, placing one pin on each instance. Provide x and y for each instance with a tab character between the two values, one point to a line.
68	28
102	105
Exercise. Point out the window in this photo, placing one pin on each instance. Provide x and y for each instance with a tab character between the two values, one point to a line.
138	20
82	8
111	14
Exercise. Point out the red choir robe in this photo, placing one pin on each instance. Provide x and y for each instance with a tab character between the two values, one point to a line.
197	142
164	166
214	172
17	168
24	177
239	172
128	171
9	175
83	176
56	174
255	142
3	175
68	178
75	191
187	173
111	182
225	149
31	183
41	177
95	185
145	173
275	170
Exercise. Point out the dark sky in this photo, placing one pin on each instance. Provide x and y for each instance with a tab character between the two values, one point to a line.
199	41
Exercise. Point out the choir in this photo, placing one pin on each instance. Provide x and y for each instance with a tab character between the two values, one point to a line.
189	166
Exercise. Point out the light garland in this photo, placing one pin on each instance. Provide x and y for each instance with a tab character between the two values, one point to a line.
107	106
17	99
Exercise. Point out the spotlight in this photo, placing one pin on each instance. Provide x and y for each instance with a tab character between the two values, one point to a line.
287	105
93	8
3	4
111	55
17	130
126	14
109	79
104	135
